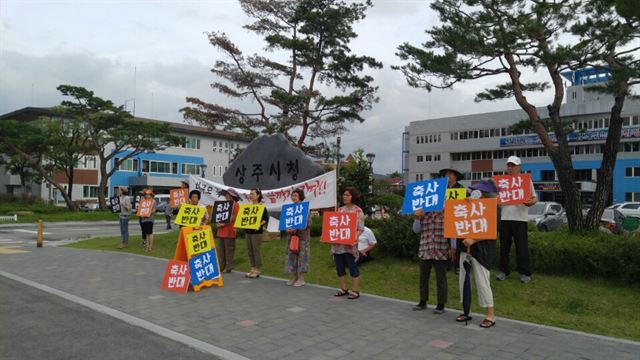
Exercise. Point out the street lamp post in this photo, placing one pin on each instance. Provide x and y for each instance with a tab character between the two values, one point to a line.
370	158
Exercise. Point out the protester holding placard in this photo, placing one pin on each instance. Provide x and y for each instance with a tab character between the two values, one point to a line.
254	237
297	261
226	233
480	253
194	199
433	252
453	177
347	255
514	227
125	212
147	220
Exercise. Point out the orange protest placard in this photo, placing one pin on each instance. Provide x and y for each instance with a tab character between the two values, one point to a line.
471	219
339	228
513	189
177	197
144	208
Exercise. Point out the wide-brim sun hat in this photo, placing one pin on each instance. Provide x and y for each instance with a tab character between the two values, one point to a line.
458	174
230	191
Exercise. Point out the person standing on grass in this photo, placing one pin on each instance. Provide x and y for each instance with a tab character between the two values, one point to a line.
347	255
297	263
453	177
480	253
514	225
433	253
146	222
168	214
254	237
226	233
125	213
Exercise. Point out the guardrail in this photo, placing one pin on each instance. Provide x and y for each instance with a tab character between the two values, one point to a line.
9	217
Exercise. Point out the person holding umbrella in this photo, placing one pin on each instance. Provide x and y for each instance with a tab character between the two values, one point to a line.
476	258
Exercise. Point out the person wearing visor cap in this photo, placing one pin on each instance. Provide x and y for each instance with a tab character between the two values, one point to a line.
514	228
226	233
146	222
453	177
480	253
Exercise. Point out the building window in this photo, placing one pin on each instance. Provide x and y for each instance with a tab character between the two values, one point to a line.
191	169
87	162
632	172
583	175
419	158
632	196
548	175
191	143
128	165
436	157
427	158
90	191
162	167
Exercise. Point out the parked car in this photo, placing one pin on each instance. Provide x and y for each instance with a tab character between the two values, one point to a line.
89	207
544	209
612	220
553	221
630	209
615	206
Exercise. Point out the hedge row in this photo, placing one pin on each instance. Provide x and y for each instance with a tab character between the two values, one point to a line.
587	255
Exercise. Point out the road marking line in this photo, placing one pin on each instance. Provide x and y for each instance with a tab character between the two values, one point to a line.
30	231
162	331
8	250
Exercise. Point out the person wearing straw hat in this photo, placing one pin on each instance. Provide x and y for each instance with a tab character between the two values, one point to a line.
226	233
514	225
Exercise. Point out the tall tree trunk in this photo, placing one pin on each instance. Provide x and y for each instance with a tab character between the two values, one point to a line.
609	157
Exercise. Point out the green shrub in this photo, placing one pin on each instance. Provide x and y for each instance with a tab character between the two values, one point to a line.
397	238
9	204
594	254
316	226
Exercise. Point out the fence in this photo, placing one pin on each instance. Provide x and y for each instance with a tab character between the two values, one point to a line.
9	217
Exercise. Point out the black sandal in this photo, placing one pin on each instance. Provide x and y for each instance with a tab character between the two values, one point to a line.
341	292
353	295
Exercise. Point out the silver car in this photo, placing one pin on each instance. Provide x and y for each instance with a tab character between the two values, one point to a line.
547	216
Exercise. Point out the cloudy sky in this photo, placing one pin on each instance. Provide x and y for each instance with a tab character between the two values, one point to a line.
98	44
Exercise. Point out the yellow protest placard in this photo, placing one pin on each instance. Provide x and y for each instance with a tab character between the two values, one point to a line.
190	215
249	216
198	241
456	194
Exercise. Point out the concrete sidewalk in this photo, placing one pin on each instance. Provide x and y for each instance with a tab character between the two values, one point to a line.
265	319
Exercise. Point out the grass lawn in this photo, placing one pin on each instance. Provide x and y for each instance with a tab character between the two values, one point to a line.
589	305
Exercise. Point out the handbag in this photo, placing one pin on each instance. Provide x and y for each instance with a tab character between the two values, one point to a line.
294	244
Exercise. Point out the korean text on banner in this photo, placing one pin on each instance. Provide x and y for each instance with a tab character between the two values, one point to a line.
144	208
198	241
427	195
176	277
319	191
177	197
471	219
513	189
339	228
114	204
249	216
456	194
294	216
222	212
203	267
190	215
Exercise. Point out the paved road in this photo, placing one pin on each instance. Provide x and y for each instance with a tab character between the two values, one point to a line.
60	233
265	319
37	325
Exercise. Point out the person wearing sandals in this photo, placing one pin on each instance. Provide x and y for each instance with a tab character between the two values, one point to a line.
480	254
254	237
298	263
226	233
434	252
347	255
146	222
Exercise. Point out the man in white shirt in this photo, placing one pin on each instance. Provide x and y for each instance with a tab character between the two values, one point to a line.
514	222
366	243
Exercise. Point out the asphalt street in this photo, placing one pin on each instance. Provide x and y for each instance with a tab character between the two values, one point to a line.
60	233
38	325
